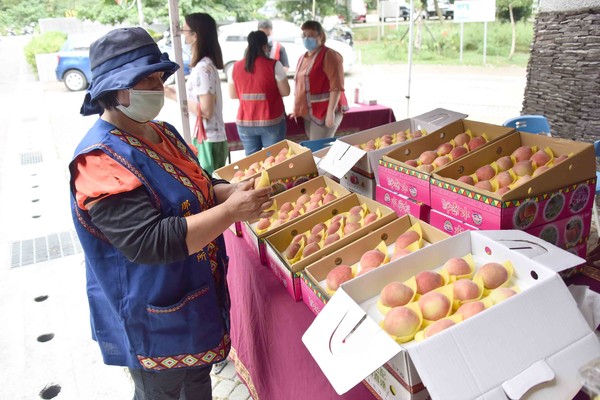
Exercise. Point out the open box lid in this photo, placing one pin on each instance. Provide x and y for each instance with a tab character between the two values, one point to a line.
343	155
496	355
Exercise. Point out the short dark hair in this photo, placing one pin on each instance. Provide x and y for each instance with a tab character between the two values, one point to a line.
265	24
108	100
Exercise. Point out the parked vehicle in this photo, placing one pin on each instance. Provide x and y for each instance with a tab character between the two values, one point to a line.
393	9
359	11
73	66
233	41
446	8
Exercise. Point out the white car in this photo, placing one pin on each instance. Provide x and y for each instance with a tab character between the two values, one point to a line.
233	41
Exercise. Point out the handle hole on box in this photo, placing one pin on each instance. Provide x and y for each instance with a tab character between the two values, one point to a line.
337	261
407	152
303	191
529	190
384	236
488	251
499	150
334	212
236	167
442	135
294	232
460	169
534	275
268	153
570	167
291	165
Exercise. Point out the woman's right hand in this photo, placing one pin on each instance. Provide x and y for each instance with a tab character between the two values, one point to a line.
246	203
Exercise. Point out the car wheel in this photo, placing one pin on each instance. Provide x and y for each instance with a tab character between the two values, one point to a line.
75	80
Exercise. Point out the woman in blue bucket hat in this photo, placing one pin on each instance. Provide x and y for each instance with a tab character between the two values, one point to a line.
150	221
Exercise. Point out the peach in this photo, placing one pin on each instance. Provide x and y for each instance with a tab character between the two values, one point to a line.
372	259
457	266
504	163
298	238
541	169
249	172
396	294
314	238
427	157
417	134
294	214
312	206
523	168
329	197
476	142
353	218
387	138
465	289
560	159
467	310
522	180
355	210
437	327
255	166
493	275
427	281
279	159
291	250
412	163
351	227
504	179
404	240
337	276
283	216
485	173
286	207
501	294
427	168
434	306
263	223
370	217
485	185
305	198
238	174
444	148
316	197
310	249
338	218
466	179
399	254
441	161
503	190
283	152
401	321
540	158
269	161
318	228
320	190
276	223
384	144
461	139
363	271
522	153
331	239
458	151
334	227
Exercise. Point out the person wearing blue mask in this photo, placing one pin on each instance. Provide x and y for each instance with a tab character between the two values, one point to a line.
319	85
150	221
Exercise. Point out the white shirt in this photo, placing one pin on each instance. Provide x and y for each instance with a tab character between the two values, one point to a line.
204	79
280	74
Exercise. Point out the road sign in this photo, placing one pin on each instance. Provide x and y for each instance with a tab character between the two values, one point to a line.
474	10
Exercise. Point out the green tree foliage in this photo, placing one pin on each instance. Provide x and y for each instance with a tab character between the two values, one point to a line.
49	42
521	9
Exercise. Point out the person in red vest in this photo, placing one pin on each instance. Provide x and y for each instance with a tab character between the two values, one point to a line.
276	49
259	82
319	93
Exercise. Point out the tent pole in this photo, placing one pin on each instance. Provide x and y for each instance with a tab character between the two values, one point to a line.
410	51
179	75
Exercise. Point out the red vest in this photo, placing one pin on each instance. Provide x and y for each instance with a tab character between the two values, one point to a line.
260	101
317	88
275	53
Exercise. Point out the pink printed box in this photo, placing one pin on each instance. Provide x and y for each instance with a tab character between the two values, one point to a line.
402	204
277	243
567	232
447	224
565	189
395	174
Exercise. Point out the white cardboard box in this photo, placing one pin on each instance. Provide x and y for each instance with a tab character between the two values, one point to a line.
531	343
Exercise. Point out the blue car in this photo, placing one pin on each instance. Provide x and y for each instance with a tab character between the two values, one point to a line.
74	63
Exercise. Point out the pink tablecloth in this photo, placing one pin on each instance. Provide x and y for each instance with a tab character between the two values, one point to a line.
357	119
266	331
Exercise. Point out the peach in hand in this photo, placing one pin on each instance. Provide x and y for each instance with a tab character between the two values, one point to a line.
437	327
465	289
457	266
401	321
427	281
337	276
434	306
371	259
396	294
493	275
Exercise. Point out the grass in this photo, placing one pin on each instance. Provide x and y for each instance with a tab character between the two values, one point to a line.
441	44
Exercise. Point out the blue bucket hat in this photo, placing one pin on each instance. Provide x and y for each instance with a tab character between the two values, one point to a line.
119	60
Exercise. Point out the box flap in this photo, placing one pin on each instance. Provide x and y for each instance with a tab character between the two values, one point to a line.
539	372
346	344
437	118
341	158
469	362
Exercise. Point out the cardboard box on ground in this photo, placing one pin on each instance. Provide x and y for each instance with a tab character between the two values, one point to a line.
532	343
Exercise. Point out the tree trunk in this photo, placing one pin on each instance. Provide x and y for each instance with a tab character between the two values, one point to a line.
437	10
514	32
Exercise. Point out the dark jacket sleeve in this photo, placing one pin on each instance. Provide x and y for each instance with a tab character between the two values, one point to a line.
132	224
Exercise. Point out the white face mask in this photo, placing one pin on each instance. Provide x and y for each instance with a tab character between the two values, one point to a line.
144	105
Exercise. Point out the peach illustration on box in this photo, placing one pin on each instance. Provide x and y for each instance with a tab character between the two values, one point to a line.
573	230
525	215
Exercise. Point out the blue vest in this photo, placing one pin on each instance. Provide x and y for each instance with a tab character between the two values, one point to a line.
154	316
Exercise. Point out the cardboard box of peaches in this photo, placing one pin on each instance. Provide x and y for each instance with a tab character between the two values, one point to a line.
323	231
481	315
291	206
384	245
407	169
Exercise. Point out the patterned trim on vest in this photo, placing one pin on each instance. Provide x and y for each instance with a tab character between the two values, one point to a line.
216	354
88	227
253	96
167	166
244	373
178	306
